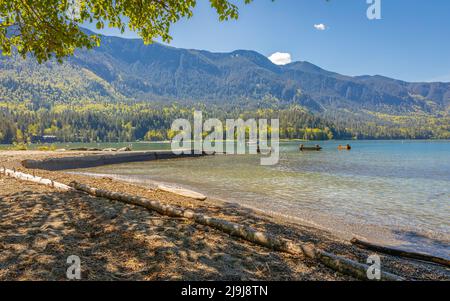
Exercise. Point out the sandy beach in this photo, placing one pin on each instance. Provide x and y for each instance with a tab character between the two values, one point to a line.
40	227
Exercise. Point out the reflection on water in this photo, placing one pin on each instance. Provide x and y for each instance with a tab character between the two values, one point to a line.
390	192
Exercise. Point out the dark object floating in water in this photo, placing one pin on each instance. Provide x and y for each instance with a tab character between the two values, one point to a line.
310	148
400	253
346	147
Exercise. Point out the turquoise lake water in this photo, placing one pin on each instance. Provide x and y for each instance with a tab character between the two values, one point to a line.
393	192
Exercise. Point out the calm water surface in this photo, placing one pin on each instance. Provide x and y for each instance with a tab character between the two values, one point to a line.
390	192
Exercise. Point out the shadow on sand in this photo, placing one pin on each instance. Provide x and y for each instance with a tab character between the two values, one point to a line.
115	241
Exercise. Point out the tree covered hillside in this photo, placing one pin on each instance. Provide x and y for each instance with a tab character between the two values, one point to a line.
125	90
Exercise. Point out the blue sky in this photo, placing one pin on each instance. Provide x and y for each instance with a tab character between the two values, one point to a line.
411	42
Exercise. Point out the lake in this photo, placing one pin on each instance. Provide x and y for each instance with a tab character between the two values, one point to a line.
391	192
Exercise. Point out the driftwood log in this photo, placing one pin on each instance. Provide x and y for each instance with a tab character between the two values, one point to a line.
182	192
340	264
400	253
30	178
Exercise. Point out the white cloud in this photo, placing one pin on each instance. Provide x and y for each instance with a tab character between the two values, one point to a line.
320	26
280	58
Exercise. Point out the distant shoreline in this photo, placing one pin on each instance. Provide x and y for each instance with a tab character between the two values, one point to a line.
34	146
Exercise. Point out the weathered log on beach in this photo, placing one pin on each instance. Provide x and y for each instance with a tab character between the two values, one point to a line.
400	253
340	264
30	178
182	192
344	265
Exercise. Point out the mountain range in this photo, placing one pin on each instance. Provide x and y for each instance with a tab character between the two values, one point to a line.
127	70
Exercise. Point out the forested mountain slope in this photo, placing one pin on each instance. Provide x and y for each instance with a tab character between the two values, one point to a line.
124	71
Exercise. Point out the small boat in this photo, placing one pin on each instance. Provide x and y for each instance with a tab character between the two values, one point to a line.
346	147
310	148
